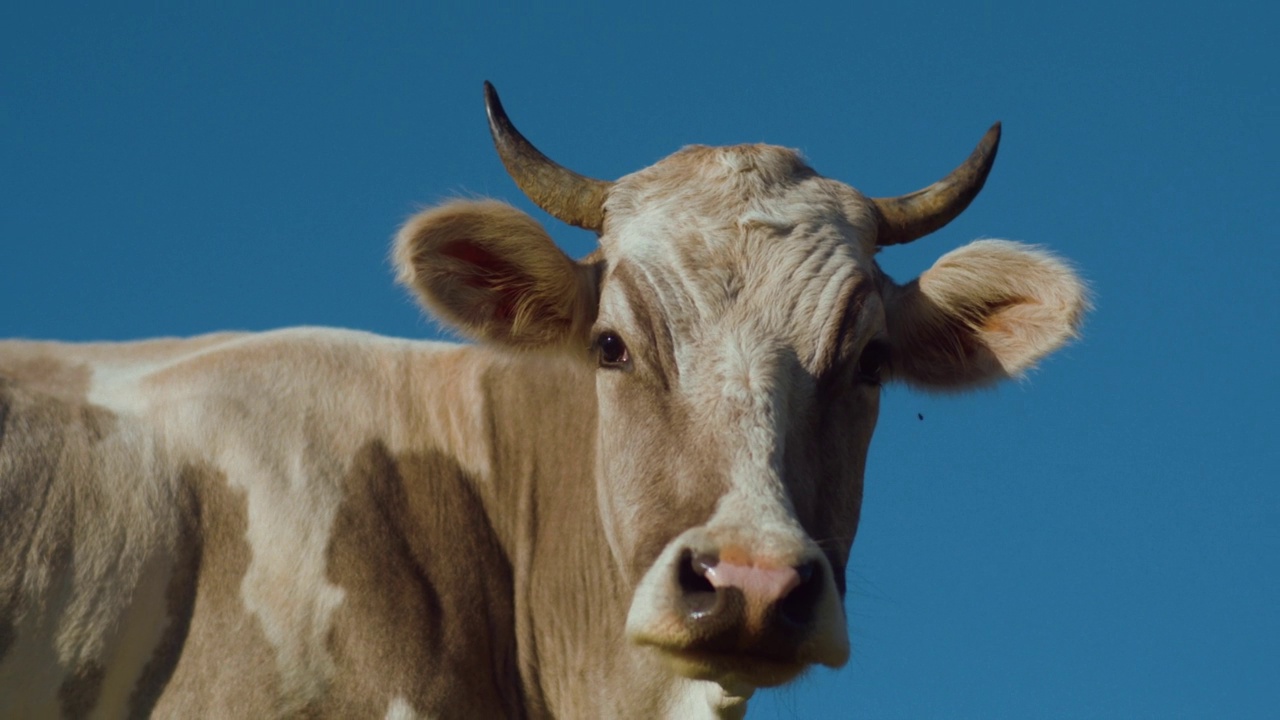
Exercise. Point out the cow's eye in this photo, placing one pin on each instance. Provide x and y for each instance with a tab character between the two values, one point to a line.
613	352
872	363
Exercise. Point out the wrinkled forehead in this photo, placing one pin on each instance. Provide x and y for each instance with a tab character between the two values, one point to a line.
713	191
746	237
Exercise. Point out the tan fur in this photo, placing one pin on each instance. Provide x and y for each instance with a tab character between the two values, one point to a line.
324	523
494	273
984	312
205	682
428	616
77	555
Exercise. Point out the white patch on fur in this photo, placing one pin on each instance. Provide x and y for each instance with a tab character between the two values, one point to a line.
245	405
290	518
696	699
400	709
115	387
756	513
143	626
252	417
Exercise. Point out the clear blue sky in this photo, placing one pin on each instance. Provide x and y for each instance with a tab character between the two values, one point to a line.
1100	541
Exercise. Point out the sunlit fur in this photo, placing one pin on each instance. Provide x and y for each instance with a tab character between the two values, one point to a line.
742	280
322	522
492	272
984	312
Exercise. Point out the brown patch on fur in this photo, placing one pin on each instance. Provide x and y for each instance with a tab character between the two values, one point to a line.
46	373
11	564
180	599
45	470
227	667
571	598
61	537
7	635
79	692
428	611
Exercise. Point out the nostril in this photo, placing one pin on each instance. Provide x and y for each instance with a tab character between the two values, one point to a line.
806	571
702	562
799	606
696	590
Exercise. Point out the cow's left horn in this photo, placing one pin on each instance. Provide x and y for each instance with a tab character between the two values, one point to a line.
907	217
566	195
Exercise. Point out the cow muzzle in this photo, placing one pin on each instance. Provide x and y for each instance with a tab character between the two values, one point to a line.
725	613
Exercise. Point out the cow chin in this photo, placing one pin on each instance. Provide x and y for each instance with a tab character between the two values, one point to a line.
736	636
731	670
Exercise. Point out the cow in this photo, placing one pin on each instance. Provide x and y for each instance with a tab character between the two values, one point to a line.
633	496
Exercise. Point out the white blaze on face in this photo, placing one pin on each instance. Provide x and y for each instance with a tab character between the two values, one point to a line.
746	398
750	261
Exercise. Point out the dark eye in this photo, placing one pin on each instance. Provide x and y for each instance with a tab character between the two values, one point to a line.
872	363
613	352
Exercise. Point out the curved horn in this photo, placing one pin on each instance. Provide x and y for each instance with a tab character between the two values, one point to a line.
566	195
907	217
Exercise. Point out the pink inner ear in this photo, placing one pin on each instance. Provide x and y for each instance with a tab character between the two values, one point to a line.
487	272
487	265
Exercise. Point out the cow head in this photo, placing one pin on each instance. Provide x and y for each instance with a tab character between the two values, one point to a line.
740	332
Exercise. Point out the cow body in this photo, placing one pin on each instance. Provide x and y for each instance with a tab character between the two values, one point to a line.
299	522
634	498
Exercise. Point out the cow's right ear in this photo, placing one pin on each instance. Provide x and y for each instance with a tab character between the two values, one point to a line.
493	273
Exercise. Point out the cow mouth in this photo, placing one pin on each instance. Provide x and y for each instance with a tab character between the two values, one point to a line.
732	668
731	659
742	655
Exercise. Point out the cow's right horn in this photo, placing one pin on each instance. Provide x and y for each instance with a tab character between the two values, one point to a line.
566	195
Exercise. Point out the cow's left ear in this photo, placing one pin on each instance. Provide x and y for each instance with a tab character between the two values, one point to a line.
982	313
492	272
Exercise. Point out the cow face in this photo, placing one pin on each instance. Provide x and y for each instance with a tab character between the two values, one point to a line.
739	331
743	286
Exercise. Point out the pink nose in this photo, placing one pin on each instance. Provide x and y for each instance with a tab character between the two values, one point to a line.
760	585
731	591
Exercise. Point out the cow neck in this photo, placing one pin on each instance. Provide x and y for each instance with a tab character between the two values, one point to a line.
525	428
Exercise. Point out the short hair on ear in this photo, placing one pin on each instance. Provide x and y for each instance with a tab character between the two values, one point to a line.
493	273
984	312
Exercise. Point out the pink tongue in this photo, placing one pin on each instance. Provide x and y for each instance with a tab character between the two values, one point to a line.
768	584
